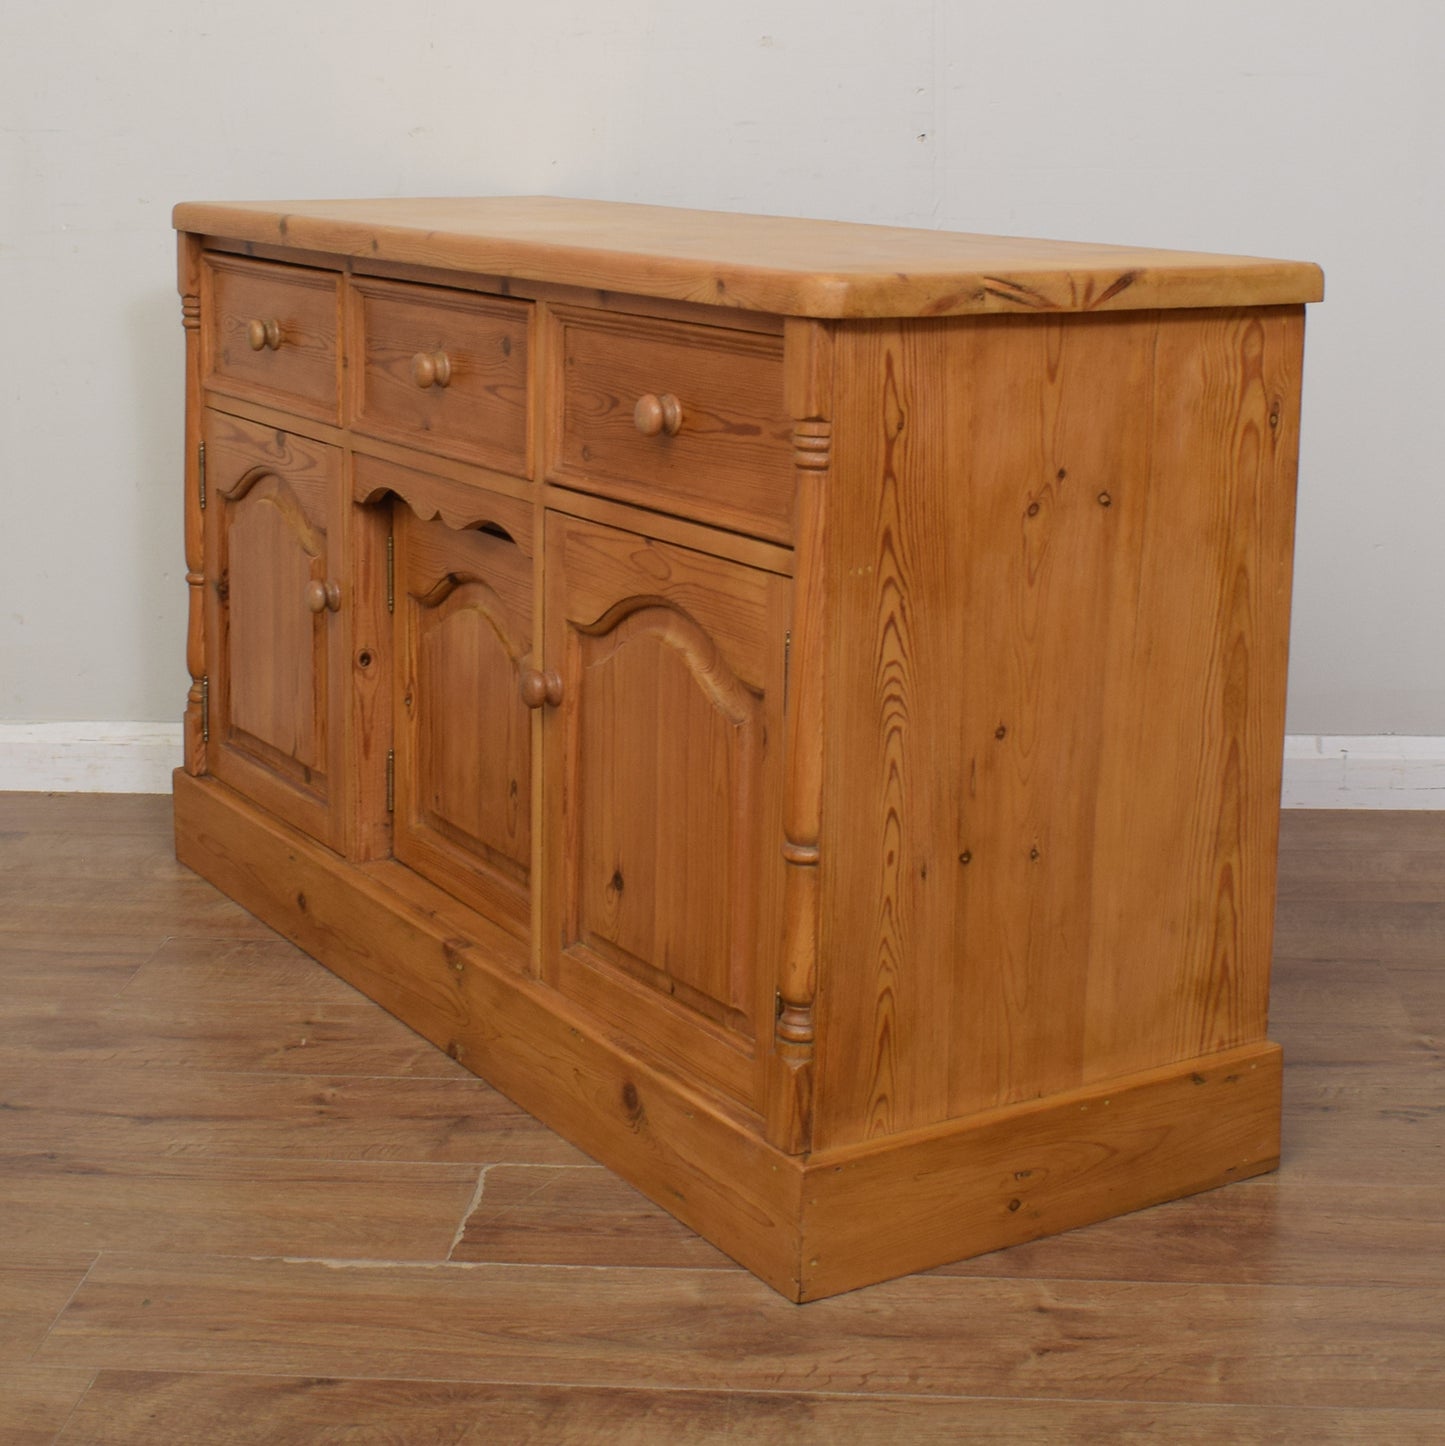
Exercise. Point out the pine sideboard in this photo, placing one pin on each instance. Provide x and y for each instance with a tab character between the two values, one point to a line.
796	706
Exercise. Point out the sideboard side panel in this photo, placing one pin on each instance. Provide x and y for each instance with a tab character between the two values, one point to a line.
1058	561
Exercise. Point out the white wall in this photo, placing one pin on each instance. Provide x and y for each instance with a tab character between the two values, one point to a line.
1301	128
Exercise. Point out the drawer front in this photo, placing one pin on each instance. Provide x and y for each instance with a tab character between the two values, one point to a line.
271	334
445	371
680	418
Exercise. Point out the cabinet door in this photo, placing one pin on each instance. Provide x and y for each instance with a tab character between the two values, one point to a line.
277	661
663	797
463	734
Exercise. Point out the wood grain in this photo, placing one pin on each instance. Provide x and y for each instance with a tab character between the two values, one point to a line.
279	698
464	633
1323	929
35	1402
482	414
469	996
1341	1012
765	263
191	1028
662	896
115	1111
301	373
999	832
711	1330
1060	873
1382	1115
47	977
128	1408
34	1287
1301	1306
1290	1228
575	1215
180	904
51	1201
188	283
227	974
729	464
999	1177
81	817
808	387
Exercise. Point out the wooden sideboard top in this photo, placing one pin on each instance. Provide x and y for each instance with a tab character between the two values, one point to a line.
758	263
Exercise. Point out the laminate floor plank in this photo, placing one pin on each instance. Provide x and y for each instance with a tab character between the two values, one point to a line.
129	1408
142	858
36	1402
1361	1347
1348	834
1422	994
578	1215
184	1032
123	1111
86	813
1386	875
34	1287
1339	928
232	974
230	1207
58	975
1343	1011
1272	1230
176	905
1376	1124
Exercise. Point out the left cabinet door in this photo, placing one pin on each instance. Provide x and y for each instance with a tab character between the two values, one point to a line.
275	597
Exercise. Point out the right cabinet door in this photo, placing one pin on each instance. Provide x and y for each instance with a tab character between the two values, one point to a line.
663	797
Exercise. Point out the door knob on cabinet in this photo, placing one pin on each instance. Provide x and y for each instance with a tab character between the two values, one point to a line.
431	369
321	596
263	334
539	687
655	416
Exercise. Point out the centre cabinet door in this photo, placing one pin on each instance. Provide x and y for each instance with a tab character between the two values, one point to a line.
662	797
277	672
463	735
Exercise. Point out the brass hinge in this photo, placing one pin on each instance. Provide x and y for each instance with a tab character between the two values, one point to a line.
206	708
201	471
391	572
391	780
787	663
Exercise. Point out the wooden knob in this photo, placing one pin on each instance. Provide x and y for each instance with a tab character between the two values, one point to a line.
321	596
431	369
656	416
263	334
539	687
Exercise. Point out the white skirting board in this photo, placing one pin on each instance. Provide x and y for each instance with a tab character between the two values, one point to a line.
1384	771
89	757
1379	771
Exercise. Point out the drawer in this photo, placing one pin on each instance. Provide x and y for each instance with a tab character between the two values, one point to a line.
443	371
271	334
680	418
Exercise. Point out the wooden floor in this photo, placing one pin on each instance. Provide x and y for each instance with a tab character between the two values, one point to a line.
240	1203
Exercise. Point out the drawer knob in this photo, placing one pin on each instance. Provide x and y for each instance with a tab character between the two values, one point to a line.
263	335
431	369
321	596
539	687
656	416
